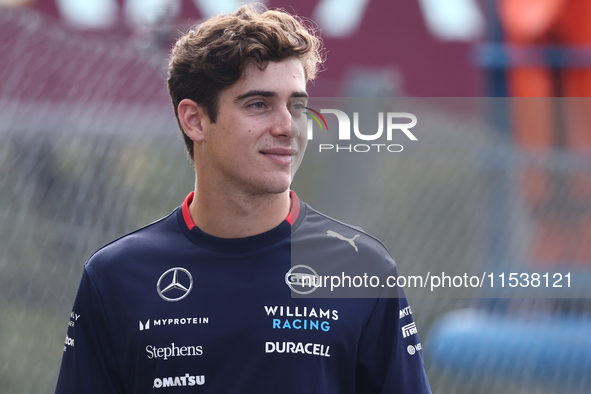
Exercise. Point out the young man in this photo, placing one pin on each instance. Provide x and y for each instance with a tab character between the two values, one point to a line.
201	301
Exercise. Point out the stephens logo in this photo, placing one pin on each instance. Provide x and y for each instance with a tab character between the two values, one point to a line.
393	124
173	351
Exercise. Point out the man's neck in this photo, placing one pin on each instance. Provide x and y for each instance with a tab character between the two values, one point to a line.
238	215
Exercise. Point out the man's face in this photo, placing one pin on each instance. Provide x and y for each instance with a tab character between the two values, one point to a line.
256	145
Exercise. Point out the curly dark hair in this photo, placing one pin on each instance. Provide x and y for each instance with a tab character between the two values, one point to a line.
213	56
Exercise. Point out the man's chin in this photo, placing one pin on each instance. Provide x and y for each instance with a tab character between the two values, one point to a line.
274	190
271	188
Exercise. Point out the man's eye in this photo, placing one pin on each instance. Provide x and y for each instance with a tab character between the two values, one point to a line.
297	107
257	105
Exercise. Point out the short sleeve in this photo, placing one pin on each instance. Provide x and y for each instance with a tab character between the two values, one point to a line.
89	363
390	358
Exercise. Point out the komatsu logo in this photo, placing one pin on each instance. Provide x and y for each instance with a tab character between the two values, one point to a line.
179	381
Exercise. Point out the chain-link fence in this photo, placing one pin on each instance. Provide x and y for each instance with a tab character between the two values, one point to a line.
80	169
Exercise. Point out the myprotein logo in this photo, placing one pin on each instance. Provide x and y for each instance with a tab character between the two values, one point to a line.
396	123
176	321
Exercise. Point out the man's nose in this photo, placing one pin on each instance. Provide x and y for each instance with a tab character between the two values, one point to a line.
283	124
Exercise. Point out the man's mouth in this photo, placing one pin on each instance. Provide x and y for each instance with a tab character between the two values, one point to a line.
279	155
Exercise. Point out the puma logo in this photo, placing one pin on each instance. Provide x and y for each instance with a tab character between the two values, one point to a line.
331	233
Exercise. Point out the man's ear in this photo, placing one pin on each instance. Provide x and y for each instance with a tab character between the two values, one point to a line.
193	119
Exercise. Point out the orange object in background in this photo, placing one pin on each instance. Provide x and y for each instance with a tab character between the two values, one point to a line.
525	21
547	22
560	201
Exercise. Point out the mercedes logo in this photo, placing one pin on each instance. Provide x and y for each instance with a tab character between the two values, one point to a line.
180	283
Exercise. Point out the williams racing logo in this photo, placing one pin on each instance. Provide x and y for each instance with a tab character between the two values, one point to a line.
301	318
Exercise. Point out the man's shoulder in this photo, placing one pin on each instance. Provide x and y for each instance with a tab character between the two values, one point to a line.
318	223
340	240
141	245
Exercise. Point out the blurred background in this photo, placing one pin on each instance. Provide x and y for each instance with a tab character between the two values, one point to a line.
500	177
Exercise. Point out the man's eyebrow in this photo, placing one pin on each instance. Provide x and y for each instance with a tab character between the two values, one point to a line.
250	93
267	93
300	94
